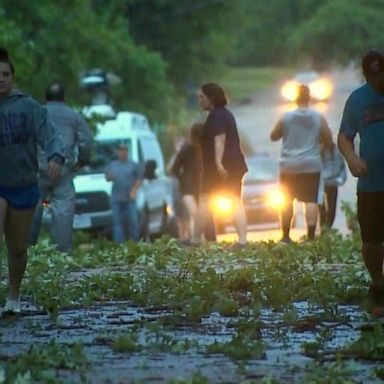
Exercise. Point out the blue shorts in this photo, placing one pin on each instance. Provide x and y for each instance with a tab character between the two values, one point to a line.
20	197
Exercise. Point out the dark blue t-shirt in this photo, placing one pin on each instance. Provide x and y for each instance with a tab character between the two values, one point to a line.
221	121
364	115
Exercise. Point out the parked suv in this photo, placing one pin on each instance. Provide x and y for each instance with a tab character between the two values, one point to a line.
155	199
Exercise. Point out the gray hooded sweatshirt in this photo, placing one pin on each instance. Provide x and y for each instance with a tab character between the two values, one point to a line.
24	126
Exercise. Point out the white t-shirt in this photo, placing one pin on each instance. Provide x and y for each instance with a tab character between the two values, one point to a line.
301	141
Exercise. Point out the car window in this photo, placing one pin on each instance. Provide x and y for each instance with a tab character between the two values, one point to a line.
149	149
104	152
261	170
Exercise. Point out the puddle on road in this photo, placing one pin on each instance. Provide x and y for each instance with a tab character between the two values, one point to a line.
97	326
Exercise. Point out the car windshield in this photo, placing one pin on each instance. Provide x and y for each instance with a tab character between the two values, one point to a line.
103	154
306	77
261	170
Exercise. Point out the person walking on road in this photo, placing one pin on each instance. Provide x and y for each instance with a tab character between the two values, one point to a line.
23	126
126	177
302	131
334	175
222	159
78	140
186	167
364	116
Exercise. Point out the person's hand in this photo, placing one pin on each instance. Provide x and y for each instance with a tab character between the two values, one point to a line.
54	170
77	167
357	166
222	171
133	194
109	176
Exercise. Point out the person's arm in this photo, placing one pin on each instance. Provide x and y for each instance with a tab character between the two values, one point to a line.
109	174
345	139
50	140
137	183
357	166
176	166
219	153
326	135
134	189
277	131
84	142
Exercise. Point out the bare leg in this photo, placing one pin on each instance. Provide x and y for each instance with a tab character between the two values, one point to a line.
190	205
311	213
202	208
17	227
240	220
285	219
3	212
373	258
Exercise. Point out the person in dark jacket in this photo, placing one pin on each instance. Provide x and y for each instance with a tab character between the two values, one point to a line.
23	125
222	159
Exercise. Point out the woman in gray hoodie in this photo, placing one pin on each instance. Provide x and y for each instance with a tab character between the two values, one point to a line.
23	125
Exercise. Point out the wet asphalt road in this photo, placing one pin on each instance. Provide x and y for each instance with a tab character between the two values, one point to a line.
257	117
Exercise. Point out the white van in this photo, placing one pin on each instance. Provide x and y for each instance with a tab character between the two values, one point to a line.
155	196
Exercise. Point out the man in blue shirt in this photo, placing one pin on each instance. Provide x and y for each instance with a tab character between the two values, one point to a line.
364	115
126	177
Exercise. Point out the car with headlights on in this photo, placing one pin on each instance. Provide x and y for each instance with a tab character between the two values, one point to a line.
320	86
262	195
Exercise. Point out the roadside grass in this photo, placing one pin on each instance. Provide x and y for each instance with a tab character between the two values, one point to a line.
241	82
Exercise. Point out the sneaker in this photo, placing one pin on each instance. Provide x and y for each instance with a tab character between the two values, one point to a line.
377	311
187	243
237	246
11	307
285	240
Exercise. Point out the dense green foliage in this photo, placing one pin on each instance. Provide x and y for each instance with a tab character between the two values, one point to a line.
51	40
184	286
163	48
308	32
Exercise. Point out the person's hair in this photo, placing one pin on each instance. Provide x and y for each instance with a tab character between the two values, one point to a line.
150	169
215	94
55	91
195	133
304	95
4	58
372	63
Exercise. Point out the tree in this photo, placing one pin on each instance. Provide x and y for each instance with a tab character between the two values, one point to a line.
340	31
71	37
264	28
193	37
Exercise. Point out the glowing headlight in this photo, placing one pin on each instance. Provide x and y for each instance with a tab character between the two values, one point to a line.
276	199
222	205
290	90
169	210
321	89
